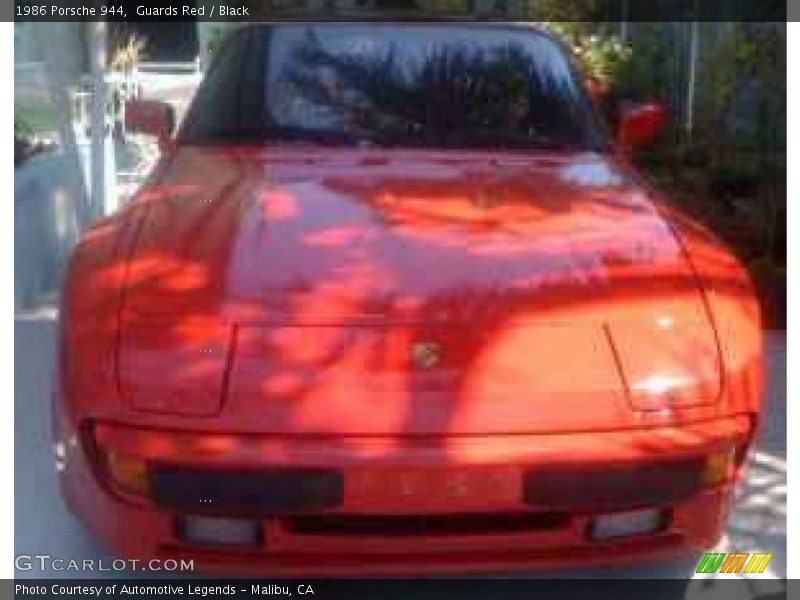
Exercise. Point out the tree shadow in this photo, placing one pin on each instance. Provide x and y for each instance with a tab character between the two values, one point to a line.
287	310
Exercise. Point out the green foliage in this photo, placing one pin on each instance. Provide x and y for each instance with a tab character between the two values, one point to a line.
603	58
22	128
127	53
644	76
579	16
746	67
26	142
600	56
32	117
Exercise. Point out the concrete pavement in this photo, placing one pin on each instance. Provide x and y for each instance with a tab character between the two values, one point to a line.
43	526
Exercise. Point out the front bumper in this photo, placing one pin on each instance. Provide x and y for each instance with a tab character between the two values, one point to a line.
430	481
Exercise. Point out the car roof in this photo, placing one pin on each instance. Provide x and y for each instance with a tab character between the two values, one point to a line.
376	15
401	18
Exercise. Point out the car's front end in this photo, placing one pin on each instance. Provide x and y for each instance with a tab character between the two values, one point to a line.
596	413
292	358
372	505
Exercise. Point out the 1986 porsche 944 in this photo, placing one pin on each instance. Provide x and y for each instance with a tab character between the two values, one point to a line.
394	301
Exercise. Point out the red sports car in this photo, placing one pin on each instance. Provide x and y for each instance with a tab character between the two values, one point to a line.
394	301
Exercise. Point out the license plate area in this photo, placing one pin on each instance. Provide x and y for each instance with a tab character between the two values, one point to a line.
430	490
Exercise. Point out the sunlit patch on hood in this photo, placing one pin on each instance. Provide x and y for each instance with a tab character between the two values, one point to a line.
660	384
590	172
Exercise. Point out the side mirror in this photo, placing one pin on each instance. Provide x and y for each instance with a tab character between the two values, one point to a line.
640	124
151	117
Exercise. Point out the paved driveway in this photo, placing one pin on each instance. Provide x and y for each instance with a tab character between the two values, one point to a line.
42	525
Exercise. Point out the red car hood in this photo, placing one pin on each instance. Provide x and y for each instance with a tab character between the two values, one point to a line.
397	292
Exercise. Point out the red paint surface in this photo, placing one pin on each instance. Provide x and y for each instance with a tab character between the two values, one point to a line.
260	306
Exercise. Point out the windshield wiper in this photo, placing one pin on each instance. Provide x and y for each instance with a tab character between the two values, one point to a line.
236	134
388	139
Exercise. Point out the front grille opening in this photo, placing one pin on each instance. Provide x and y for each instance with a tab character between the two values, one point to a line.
423	525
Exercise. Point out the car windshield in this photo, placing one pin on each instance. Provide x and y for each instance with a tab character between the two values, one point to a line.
423	85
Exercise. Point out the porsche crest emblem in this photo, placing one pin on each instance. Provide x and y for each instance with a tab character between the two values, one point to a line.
426	355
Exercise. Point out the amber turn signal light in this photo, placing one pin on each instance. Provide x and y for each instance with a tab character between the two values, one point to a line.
129	473
719	467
